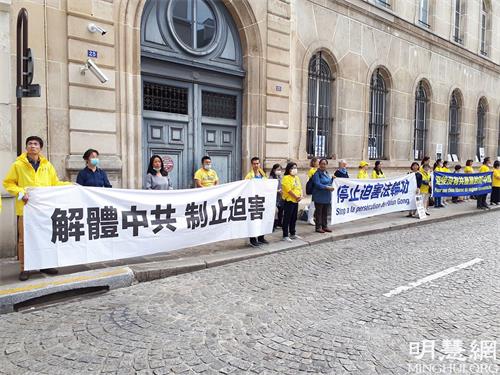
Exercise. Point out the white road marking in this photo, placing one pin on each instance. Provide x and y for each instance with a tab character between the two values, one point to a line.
434	276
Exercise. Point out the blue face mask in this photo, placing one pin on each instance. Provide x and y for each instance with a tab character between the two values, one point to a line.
343	170
94	161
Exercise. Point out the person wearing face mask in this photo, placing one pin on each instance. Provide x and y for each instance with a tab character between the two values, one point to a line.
292	195
157	177
206	176
257	173
92	175
481	199
341	172
275	174
313	167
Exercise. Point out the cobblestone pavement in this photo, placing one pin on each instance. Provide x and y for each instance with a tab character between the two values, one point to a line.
320	310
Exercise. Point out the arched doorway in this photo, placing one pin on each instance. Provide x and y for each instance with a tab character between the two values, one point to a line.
192	79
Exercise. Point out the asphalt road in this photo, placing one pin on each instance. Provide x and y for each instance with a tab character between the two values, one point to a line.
390	303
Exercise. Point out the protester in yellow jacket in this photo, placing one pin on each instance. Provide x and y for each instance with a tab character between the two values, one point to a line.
377	170
363	170
291	188
30	169
258	173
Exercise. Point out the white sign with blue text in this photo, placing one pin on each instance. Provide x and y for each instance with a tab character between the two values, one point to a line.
358	199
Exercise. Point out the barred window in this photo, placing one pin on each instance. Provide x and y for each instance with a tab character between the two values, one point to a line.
481	125
454	128
377	125
164	98
420	127
216	104
319	112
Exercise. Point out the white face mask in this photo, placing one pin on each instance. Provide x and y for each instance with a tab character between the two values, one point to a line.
207	166
278	173
157	169
293	171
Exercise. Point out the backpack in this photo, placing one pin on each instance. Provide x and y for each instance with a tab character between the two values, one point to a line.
310	185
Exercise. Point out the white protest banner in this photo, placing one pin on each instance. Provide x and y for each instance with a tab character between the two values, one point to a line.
71	225
358	199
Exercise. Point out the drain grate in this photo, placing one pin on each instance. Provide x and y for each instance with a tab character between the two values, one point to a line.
78	294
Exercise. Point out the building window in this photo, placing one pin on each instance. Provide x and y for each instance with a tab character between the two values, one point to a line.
319	113
384	3
458	35
482	110
377	125
485	34
165	98
454	129
194	25
423	12
420	127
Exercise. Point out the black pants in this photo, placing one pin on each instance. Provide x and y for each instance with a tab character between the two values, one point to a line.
278	222
481	200
321	215
495	195
289	218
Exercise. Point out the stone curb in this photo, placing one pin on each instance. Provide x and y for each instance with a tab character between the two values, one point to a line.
158	270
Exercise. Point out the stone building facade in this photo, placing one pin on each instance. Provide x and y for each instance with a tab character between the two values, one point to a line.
350	79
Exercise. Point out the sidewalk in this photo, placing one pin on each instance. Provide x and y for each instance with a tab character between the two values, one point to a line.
125	272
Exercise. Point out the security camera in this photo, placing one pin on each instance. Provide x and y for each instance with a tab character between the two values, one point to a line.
90	65
93	28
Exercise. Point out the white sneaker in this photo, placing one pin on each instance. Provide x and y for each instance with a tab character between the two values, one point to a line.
311	222
287	239
295	237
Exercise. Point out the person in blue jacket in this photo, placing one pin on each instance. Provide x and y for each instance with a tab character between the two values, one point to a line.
322	196
342	170
92	175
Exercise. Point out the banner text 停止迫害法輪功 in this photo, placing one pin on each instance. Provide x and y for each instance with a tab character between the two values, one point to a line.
72	225
358	199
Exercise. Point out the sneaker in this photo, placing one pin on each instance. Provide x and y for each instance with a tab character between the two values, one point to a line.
254	243
320	230
295	237
24	275
263	241
311	222
487	208
49	271
428	214
287	239
327	230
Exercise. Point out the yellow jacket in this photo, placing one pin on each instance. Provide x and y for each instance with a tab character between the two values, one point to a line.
289	184
22	175
362	174
251	174
425	188
484	168
375	175
311	172
496	177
